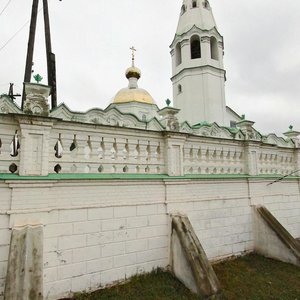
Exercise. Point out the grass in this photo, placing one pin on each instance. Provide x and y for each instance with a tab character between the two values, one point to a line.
158	285
258	278
250	277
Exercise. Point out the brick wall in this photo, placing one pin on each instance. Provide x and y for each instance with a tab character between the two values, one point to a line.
100	232
88	248
219	212
283	201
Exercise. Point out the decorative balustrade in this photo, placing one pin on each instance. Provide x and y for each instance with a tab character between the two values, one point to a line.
32	146
213	159
10	147
91	152
276	161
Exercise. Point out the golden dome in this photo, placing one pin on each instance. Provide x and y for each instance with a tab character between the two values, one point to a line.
133	72
133	95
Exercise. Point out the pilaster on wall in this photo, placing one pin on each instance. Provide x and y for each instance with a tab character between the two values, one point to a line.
174	154
294	137
205	47
35	135
251	158
185	50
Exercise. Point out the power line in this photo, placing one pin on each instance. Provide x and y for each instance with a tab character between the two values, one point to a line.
5	7
15	34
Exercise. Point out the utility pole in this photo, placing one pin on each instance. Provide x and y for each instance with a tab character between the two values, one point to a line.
29	59
51	63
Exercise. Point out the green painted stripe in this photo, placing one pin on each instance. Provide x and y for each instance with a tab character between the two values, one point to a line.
139	177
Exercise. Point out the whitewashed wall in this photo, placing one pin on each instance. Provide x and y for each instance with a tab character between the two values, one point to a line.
282	200
99	232
219	212
5	201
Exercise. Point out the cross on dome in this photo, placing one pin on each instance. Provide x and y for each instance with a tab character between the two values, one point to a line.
133	71
133	93
133	54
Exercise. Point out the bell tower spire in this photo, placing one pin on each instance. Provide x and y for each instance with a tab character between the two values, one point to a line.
198	74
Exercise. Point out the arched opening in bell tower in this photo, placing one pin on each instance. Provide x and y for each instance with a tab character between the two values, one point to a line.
214	48
183	9
195	47
206	4
194	4
178	56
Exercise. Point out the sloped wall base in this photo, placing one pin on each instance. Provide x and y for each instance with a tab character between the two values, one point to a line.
25	265
272	239
189	261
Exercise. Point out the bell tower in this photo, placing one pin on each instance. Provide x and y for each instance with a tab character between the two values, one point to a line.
198	74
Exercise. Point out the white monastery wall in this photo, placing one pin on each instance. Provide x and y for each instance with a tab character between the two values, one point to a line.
94	149
219	212
282	199
5	200
97	232
106	214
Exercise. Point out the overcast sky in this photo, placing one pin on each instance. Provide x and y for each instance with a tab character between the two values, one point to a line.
91	40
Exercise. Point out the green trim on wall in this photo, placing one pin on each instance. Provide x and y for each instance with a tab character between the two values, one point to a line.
127	176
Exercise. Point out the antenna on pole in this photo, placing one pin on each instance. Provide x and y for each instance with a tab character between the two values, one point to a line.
51	62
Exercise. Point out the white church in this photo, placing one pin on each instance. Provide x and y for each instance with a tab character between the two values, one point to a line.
89	199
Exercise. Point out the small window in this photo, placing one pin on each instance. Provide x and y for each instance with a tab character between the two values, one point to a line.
195	47
194	4
144	118
183	9
179	88
206	4
178	54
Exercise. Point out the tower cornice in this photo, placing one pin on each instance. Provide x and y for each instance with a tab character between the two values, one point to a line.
195	29
198	68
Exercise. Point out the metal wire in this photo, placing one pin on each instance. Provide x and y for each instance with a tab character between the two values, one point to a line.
13	36
5	7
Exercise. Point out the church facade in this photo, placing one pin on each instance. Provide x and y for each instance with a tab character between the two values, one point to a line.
103	184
